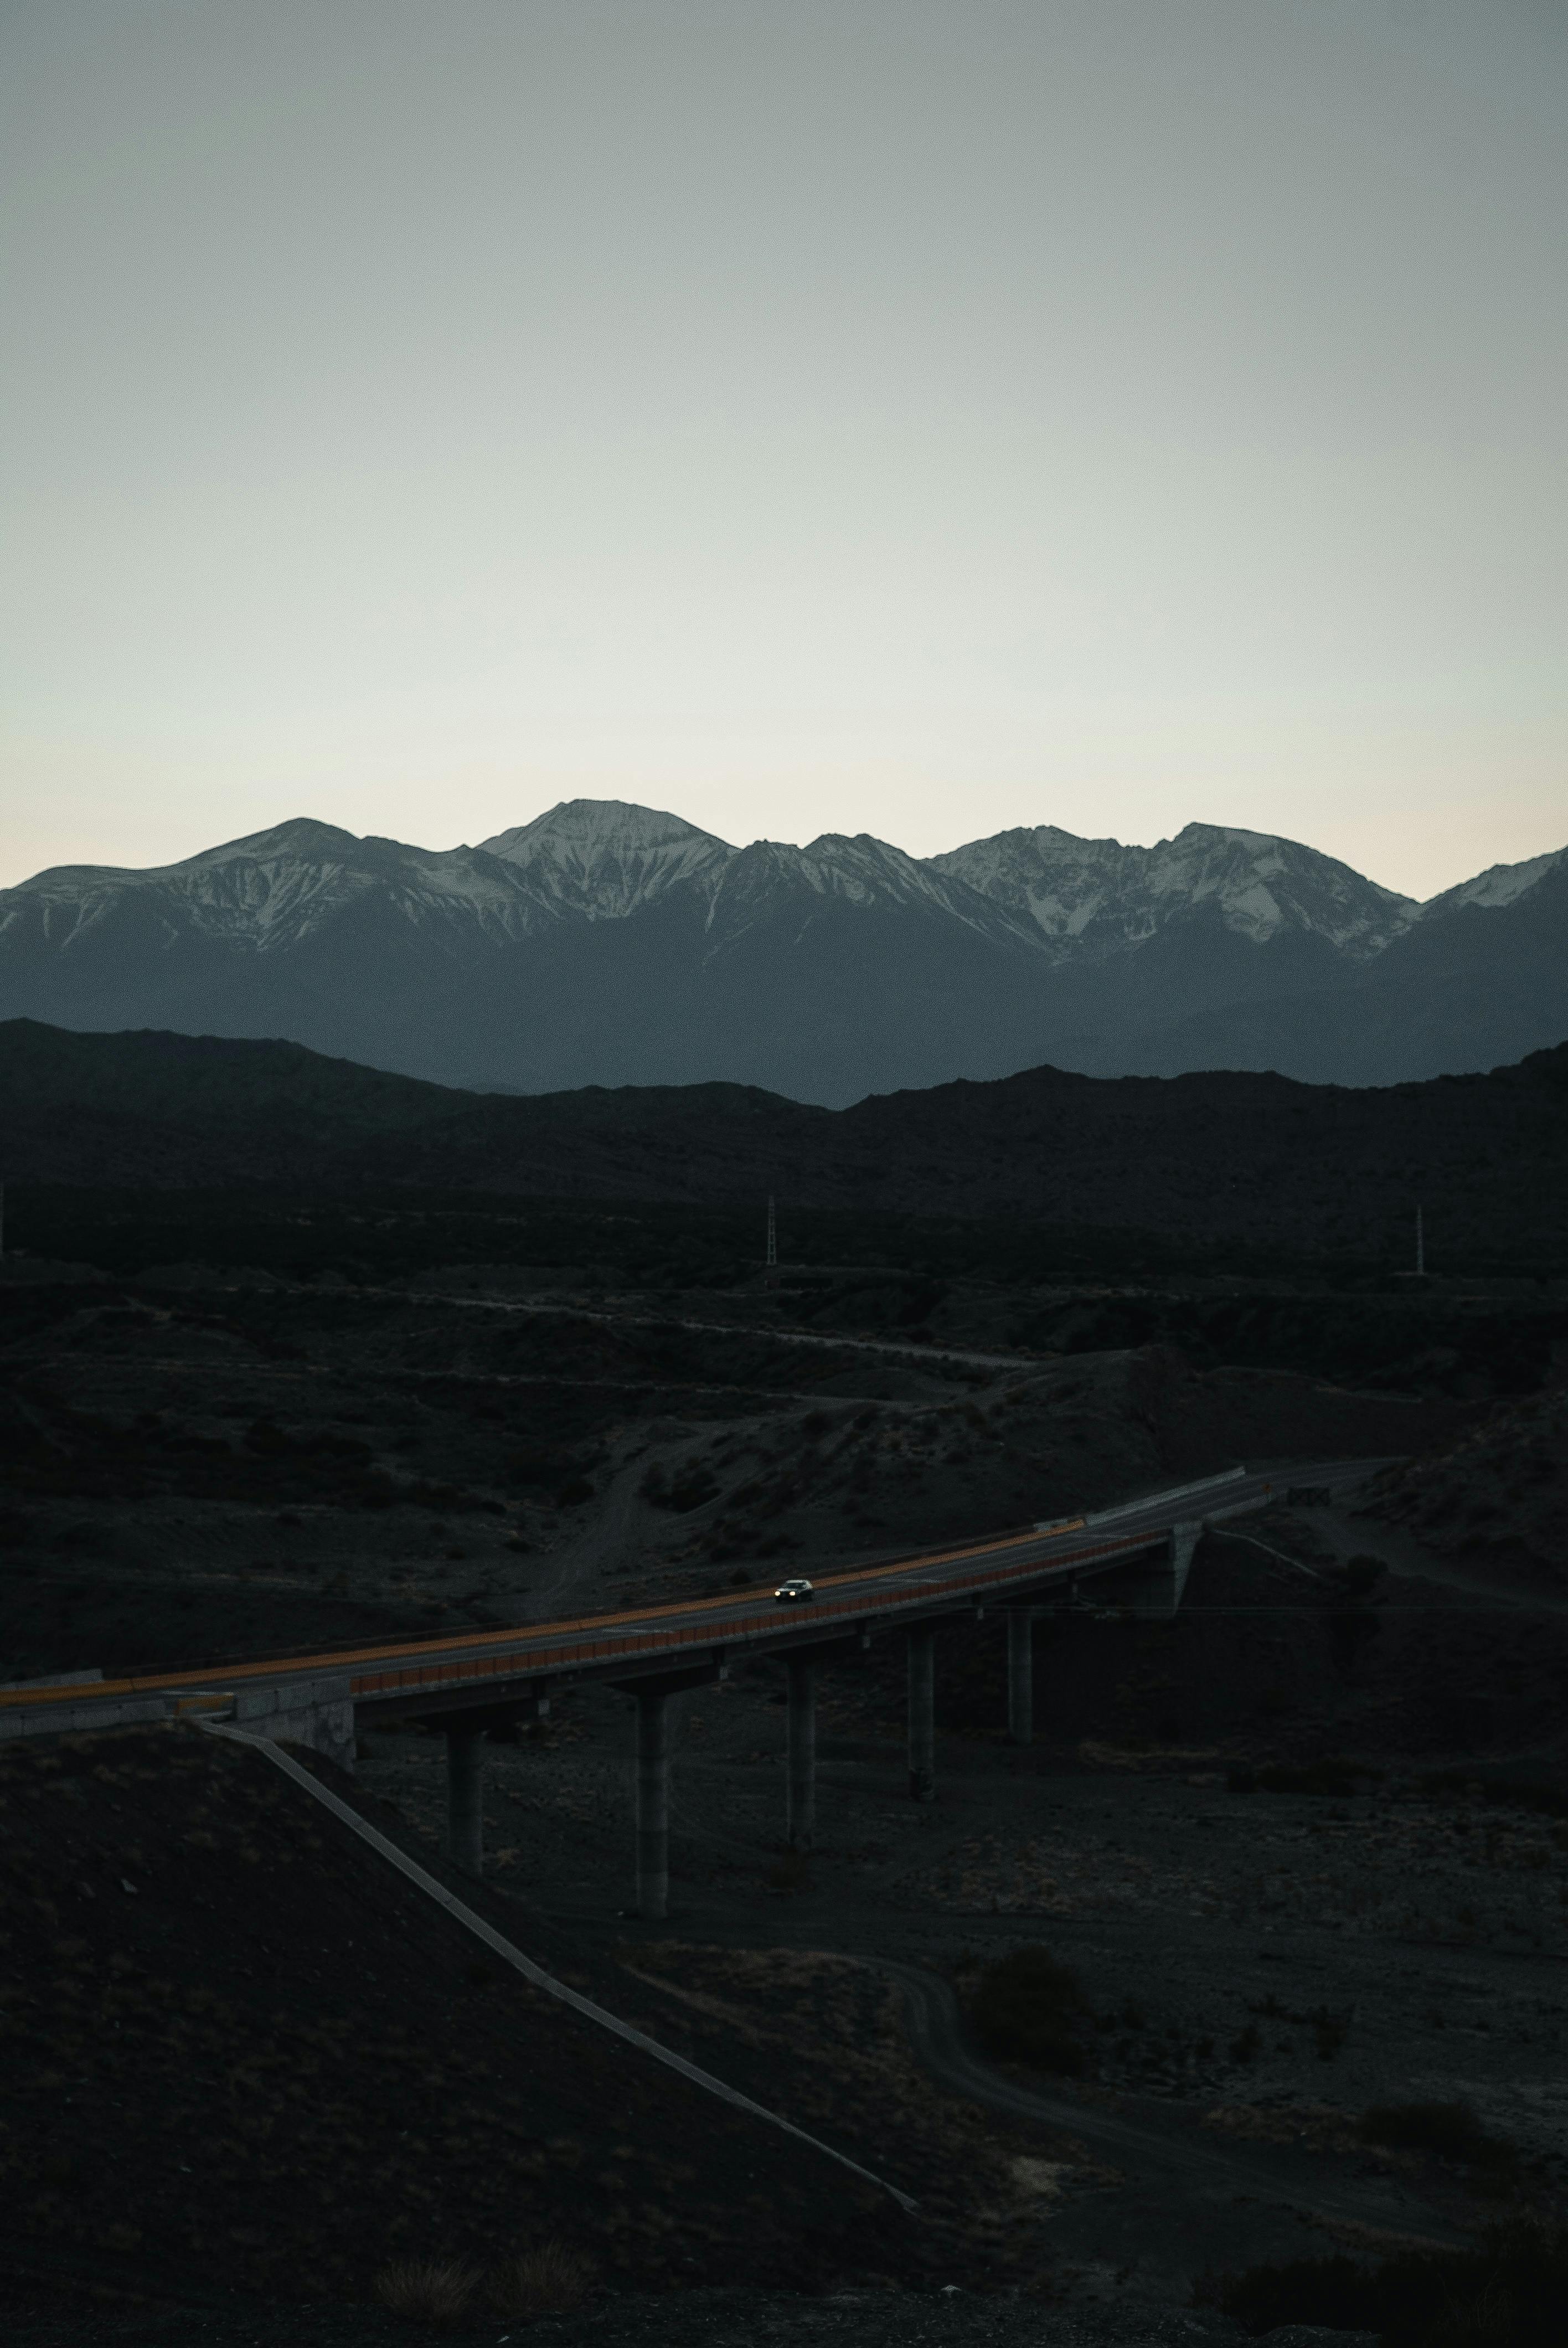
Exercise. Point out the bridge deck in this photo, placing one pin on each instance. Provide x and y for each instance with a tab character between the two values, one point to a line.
933	1582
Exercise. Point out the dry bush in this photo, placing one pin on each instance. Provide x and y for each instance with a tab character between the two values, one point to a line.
1028	2008
1452	2131
549	2280
437	2292
1505	2290
790	1872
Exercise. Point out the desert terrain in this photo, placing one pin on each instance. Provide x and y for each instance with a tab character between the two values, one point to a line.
1292	1861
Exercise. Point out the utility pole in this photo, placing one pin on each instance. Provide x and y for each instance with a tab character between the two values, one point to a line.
773	1237
1420	1246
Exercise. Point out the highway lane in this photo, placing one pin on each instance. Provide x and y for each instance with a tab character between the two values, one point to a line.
939	1580
1067	1548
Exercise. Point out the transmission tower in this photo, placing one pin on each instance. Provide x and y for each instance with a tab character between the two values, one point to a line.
773	1237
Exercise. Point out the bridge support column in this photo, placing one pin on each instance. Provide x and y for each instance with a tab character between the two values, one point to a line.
922	1655
801	1823
465	1799
1156	1594
652	1697
652	1802
1184	1540
1021	1673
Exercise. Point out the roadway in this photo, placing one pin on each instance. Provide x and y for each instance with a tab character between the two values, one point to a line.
1020	1563
932	1581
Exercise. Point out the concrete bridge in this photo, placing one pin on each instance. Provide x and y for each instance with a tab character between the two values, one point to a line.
1137	1553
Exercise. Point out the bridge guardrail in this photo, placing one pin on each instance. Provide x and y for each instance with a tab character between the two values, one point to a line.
1176	1492
514	1663
539	1662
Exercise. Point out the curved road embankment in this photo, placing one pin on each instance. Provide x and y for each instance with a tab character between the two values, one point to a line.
1158	2148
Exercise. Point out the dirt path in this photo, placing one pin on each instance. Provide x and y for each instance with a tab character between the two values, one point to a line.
1177	2206
575	1572
1158	2145
1024	1363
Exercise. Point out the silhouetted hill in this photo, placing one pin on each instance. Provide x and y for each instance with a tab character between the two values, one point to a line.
1252	1158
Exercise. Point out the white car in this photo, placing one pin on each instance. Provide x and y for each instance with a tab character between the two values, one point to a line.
791	1593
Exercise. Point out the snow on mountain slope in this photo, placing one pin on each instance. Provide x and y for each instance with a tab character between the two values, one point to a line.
606	943
274	889
772	877
866	871
1096	897
1499	884
605	858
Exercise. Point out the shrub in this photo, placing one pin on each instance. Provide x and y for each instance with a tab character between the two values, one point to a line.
1507	2291
1334	2292
549	2280
1027	2007
1332	1777
437	2292
1452	2131
693	1486
537	1466
1329	2030
1517	1793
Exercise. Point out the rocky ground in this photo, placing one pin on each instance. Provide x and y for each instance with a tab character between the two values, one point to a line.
725	2319
194	1468
1496	1497
1266	1949
1303	1847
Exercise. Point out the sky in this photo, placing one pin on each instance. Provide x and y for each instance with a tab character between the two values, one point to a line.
814	415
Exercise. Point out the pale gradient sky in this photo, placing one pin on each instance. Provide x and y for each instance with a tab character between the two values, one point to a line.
853	415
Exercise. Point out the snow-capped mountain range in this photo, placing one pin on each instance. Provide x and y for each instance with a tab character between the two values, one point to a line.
610	943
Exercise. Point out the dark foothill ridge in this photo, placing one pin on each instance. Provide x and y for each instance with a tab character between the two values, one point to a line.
1226	1156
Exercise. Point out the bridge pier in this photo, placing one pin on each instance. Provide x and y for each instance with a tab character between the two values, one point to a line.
651	1696
1021	1673
652	1801
922	1665
466	1799
801	1815
465	1731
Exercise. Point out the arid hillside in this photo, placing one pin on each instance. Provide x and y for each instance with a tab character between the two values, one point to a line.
1496	1497
241	2050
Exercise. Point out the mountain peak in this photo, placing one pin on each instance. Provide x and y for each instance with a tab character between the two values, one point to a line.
1101	897
606	858
299	835
596	826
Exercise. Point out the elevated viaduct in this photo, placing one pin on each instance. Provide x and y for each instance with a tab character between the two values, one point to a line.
1136	1555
